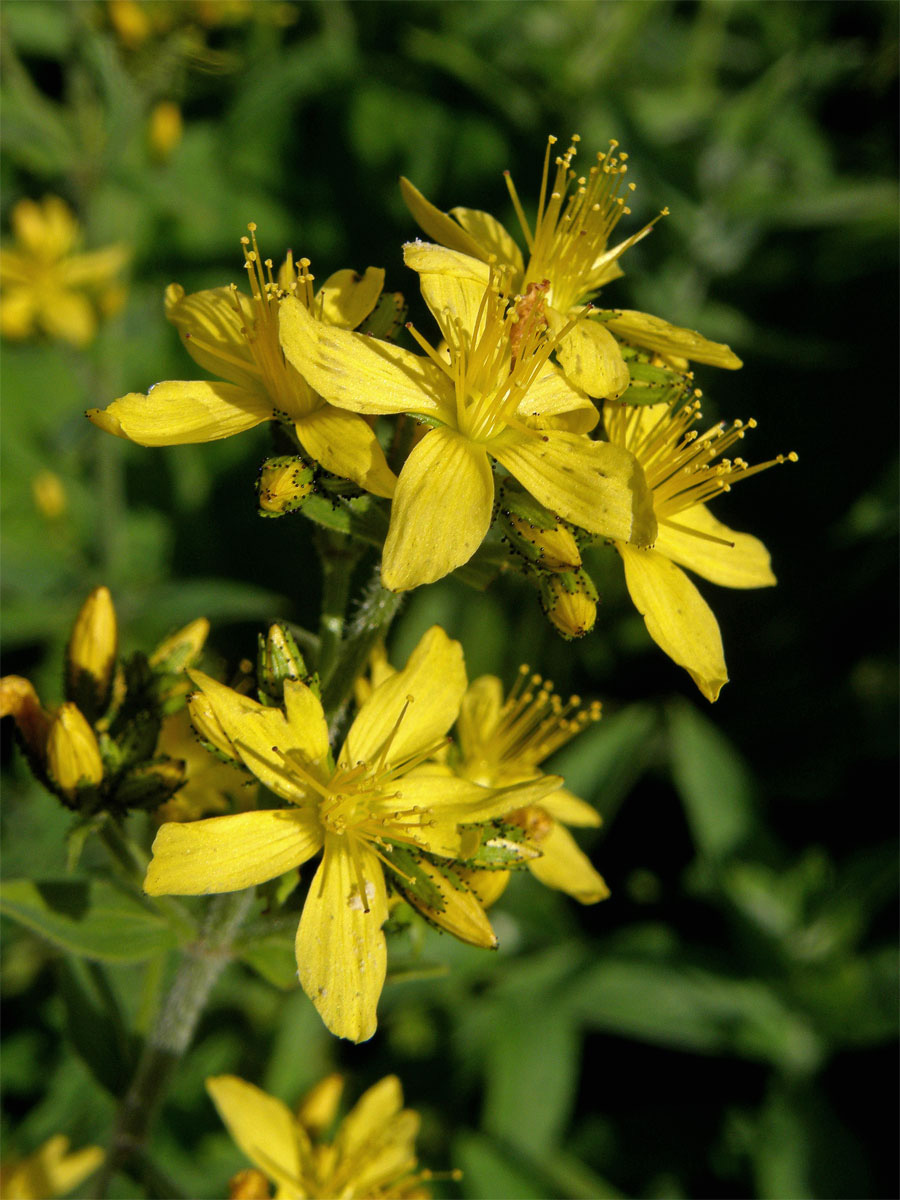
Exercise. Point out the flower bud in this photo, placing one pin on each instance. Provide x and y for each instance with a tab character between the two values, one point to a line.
73	756
182	649
536	533
569	600
283	485
279	659
444	900
165	129
49	495
91	654
19	700
249	1184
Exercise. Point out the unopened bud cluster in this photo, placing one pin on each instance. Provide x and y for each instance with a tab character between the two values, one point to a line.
97	751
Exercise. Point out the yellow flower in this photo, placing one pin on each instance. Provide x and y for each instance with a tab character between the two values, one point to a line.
165	129
45	286
380	793
236	337
50	1171
19	700
49	495
502	742
568	248
212	786
73	756
680	466
372	1156
492	395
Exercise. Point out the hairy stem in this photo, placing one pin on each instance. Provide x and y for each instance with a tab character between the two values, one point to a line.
370	623
338	555
201	964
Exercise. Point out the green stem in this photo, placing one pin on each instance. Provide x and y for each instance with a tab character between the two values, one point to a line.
338	555
131	862
200	967
370	623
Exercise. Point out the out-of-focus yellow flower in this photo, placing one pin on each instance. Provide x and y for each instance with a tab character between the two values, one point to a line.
51	1171
165	129
236	337
45	285
685	469
212	786
372	1156
73	756
49	495
380	793
568	250
503	741
493	394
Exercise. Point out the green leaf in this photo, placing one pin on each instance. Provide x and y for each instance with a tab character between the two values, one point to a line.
95	1025
95	920
691	1008
713	782
535	1049
272	957
486	1171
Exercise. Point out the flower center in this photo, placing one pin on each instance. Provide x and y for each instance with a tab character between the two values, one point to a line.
493	366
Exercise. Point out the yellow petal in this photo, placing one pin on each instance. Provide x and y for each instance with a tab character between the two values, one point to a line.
262	736
563	806
677	617
70	316
488	886
590	356
596	485
435	679
656	334
438	225
211	330
742	563
368	1117
441	510
341	951
346	298
50	1171
95	268
493	238
467	803
345	444
18	306
553	395
178	411
262	1126
479	713
358	372
564	866
452	284
228	854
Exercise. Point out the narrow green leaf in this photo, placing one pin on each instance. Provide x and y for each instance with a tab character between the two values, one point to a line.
713	782
95	920
95	1025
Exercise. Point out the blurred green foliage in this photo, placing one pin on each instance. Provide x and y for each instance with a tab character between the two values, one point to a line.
719	1027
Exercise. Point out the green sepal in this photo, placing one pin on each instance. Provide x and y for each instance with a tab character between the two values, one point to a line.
150	784
411	880
386	317
503	847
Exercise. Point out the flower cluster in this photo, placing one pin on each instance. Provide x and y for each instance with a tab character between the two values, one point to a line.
527	422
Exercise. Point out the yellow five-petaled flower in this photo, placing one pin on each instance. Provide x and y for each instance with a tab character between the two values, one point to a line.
236	337
684	469
492	395
381	791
